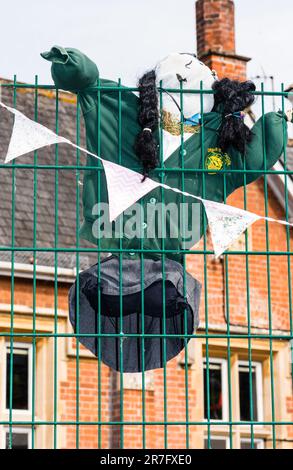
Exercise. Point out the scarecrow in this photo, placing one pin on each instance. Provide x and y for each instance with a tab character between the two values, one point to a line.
138	306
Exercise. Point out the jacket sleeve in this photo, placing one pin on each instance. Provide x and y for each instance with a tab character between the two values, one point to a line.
267	145
71	69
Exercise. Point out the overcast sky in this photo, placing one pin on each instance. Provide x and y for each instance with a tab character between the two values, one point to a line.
125	37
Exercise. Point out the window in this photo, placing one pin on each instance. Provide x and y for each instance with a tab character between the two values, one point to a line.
246	380
21	377
21	438
217	442
216	403
250	391
246	444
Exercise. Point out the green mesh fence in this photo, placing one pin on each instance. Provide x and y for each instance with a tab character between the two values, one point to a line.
248	379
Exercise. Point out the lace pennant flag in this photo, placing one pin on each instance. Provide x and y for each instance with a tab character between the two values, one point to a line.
226	224
124	187
28	135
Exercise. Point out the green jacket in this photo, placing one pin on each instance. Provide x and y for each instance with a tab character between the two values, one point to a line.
73	71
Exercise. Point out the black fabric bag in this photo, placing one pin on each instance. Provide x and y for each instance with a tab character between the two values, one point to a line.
99	313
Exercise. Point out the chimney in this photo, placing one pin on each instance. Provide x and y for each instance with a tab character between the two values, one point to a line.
215	30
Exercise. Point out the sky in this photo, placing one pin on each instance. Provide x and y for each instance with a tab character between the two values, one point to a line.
126	37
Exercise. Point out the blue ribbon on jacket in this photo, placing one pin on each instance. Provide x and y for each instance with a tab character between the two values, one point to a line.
193	120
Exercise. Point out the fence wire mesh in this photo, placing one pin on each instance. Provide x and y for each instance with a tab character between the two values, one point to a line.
232	385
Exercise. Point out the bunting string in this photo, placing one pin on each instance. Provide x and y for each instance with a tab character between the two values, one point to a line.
124	186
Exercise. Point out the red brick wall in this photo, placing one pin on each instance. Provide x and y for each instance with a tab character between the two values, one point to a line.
88	403
225	66
215	26
175	380
215	30
258	284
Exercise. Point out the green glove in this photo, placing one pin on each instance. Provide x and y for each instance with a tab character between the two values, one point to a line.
71	69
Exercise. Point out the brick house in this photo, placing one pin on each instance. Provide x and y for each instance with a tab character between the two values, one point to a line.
57	382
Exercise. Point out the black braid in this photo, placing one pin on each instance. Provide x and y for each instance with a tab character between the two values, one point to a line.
146	146
233	96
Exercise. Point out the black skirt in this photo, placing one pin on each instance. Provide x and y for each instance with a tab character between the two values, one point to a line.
160	310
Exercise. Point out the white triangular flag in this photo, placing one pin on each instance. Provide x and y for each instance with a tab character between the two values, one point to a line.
28	135
124	187
226	224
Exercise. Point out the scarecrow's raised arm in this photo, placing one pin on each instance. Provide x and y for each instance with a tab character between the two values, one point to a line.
71	69
267	144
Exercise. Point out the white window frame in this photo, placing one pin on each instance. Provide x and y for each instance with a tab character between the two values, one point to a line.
260	442
259	387
224	380
15	430
28	347
218	438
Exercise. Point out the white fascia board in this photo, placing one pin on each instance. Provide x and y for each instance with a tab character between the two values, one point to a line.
46	273
277	184
279	167
26	310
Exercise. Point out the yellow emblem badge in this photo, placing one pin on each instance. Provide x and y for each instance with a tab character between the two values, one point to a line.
216	160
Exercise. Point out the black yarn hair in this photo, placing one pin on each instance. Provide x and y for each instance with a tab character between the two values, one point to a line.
232	96
146	146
